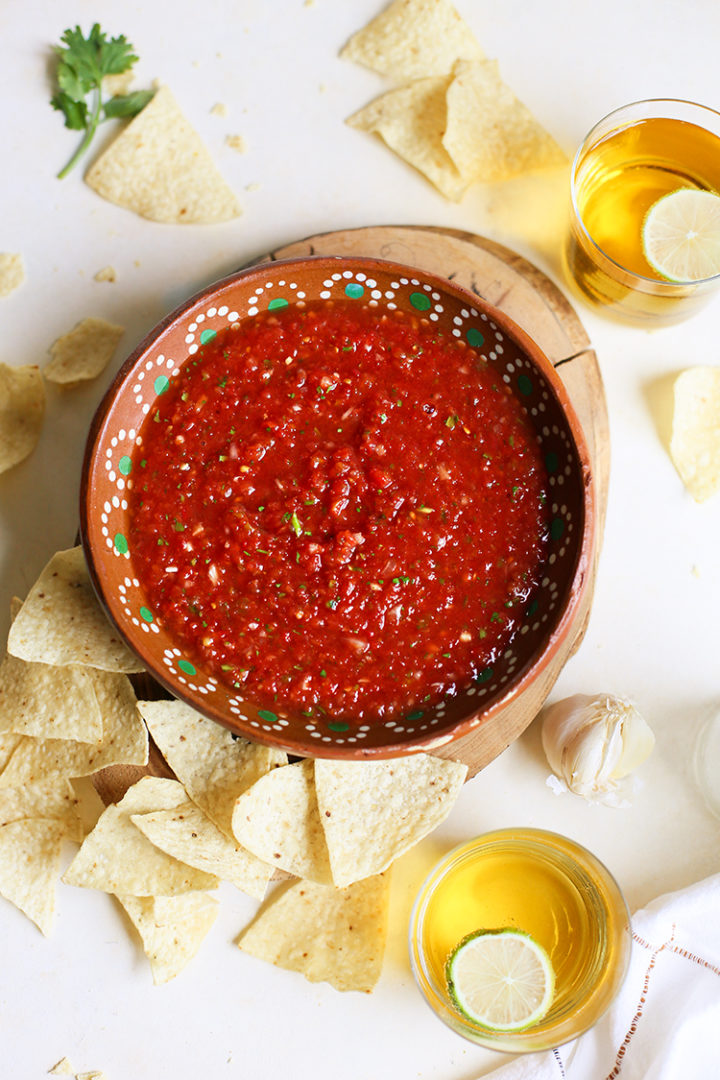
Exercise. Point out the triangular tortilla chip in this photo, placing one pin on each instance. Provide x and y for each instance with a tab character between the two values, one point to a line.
413	38
61	621
279	821
83	352
491	136
695	441
160	168
412	122
54	800
30	851
124	740
214	766
172	928
115	857
187	833
48	702
22	409
327	934
374	811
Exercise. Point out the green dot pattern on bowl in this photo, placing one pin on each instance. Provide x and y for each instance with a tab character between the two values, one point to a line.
420	301
274	291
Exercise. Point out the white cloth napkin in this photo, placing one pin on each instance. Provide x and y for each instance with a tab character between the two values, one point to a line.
665	1022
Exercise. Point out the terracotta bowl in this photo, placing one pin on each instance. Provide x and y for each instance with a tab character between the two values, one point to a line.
107	476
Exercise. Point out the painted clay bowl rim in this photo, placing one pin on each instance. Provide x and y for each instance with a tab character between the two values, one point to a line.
574	585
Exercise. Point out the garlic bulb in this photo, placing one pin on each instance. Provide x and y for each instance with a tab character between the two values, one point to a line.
592	742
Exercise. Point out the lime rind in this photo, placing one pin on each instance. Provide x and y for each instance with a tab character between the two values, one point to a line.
501	980
681	235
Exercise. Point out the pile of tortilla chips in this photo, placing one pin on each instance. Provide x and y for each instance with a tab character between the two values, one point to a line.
452	117
232	810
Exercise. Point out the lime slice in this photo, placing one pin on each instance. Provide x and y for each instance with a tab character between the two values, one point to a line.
501	979
681	235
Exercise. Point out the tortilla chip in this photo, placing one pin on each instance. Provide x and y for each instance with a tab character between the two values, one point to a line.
172	928
9	743
30	851
12	272
52	800
62	1068
83	352
22	410
413	38
214	766
327	934
48	701
279	821
695	441
61	621
187	833
160	168
115	857
374	811
490	135
124	740
412	121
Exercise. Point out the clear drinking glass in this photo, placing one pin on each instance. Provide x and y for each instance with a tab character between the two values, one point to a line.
629	160
547	886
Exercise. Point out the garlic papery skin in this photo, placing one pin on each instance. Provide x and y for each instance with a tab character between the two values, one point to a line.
593	741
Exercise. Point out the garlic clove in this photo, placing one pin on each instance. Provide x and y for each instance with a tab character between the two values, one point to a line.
592	742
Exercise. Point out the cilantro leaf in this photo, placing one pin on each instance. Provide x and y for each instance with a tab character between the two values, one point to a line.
127	104
82	64
76	113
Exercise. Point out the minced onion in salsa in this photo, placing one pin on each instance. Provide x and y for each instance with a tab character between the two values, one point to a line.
339	511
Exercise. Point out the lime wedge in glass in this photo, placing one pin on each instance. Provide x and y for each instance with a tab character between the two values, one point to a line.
501	979
681	235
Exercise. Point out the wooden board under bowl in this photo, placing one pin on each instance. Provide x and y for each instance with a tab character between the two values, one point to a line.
509	282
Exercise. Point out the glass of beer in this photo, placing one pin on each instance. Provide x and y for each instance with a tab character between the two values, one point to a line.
520	939
644	238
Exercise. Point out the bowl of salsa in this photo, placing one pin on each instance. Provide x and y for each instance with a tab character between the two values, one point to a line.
339	505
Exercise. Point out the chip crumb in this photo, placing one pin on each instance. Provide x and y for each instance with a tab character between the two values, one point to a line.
236	142
219	109
252	187
12	272
106	274
62	1068
92	1074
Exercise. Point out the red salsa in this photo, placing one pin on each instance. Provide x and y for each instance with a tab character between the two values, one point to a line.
339	512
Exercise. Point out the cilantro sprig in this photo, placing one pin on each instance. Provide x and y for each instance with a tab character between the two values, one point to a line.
83	63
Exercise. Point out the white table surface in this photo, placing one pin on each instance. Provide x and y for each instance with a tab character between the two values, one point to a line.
86	991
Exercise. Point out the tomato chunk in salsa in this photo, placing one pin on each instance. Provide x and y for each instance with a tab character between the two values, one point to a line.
339	511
